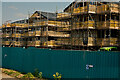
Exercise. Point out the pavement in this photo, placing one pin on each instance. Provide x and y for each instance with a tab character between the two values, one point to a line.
6	77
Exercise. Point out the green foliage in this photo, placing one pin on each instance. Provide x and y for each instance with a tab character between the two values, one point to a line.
12	73
9	73
36	73
6	72
17	74
28	75
57	76
40	75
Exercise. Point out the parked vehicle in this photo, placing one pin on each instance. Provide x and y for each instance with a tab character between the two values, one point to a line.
108	49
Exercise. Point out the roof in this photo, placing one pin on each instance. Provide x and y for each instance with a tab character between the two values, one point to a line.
68	6
48	15
90	1
21	21
97	0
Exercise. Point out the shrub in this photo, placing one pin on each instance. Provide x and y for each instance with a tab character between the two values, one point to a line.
36	73
40	75
57	76
29	76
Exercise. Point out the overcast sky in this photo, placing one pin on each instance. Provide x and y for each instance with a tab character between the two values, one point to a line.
18	9
37	0
51	0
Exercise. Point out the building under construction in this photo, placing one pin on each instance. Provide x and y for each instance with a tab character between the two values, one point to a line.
82	26
66	42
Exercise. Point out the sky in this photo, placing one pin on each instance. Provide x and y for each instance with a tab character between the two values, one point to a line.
37	0
19	10
52	0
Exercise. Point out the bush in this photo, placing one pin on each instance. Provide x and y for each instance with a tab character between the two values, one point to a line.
36	73
40	75
57	76
28	75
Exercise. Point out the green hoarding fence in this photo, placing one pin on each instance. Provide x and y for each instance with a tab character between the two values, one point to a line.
69	63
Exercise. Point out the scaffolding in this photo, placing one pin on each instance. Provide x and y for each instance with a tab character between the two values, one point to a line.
44	32
94	24
13	34
83	26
